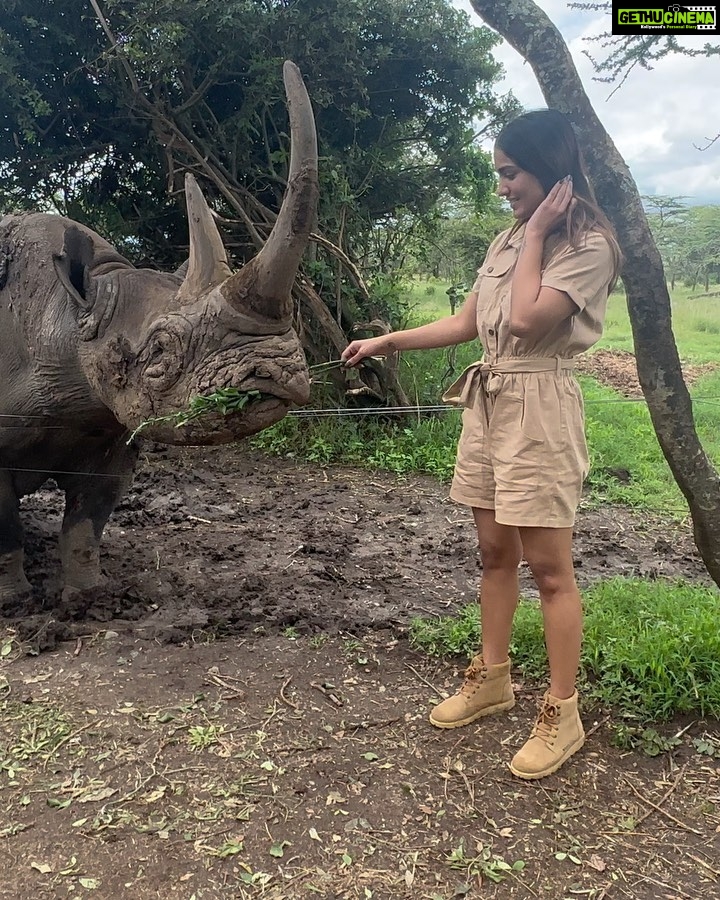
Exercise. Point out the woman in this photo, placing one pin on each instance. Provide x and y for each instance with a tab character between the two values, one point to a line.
538	301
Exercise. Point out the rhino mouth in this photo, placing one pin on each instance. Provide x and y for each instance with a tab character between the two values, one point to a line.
224	415
217	427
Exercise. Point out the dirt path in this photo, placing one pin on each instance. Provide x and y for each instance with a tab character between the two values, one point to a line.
279	768
237	714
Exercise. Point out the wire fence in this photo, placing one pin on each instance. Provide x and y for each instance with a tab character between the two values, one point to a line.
322	413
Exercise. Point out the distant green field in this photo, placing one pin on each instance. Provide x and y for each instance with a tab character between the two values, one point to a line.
695	318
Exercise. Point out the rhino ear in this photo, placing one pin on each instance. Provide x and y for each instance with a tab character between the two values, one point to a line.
72	266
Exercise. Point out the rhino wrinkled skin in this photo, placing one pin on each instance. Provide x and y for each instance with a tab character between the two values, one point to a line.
91	347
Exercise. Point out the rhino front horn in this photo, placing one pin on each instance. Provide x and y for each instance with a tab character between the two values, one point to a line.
265	283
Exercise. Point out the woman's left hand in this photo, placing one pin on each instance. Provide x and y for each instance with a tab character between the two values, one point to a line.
552	210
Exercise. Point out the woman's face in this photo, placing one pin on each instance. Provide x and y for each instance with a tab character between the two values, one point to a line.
522	190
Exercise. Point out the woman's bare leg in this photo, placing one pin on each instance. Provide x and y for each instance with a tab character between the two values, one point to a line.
500	551
548	552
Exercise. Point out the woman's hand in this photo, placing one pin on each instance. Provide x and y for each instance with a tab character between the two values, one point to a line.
355	352
552	210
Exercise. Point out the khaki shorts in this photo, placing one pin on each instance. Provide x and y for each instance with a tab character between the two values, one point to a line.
529	461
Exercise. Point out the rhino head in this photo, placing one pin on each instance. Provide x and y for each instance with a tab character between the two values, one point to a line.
151	342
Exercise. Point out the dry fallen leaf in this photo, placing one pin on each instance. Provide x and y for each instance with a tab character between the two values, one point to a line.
42	868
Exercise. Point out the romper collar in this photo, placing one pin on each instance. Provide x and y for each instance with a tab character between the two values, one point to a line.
515	236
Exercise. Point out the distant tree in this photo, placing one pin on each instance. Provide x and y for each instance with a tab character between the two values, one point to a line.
702	248
455	246
667	219
526	27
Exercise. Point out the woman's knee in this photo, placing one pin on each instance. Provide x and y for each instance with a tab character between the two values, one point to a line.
500	554
553	576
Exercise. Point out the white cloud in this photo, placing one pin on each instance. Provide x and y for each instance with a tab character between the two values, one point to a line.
657	118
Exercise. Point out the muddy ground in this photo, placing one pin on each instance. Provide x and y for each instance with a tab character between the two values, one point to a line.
238	712
228	541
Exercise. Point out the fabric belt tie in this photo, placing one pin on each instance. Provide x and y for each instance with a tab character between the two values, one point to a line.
485	378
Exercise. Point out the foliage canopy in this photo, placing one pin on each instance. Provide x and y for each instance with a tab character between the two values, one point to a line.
104	109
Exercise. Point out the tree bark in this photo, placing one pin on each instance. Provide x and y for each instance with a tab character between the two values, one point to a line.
526	28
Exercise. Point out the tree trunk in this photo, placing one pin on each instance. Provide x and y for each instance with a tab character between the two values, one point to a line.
526	28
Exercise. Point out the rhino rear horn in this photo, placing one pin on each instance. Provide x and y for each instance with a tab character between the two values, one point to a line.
265	283
208	264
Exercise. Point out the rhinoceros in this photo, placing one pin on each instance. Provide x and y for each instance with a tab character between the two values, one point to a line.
91	348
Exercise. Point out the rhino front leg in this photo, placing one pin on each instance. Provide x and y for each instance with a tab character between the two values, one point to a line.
12	575
89	502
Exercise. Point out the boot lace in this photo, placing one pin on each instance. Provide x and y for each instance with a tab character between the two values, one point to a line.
474	675
546	724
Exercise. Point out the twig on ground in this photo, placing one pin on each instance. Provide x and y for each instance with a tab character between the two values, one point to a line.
65	740
658	806
333	698
704	864
282	694
377	723
670	887
213	677
597	726
423	679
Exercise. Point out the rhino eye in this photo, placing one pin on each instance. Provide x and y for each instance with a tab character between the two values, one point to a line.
163	358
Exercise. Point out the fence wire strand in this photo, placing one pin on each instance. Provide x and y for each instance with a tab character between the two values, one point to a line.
331	412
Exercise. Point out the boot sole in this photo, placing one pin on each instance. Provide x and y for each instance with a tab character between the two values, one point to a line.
531	776
487	711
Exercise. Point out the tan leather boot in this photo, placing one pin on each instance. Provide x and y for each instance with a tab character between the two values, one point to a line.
486	690
556	735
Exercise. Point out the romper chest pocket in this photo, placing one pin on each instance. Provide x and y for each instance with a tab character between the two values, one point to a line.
498	266
493	293
494	278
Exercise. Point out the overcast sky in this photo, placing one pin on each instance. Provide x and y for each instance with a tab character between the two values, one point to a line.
655	118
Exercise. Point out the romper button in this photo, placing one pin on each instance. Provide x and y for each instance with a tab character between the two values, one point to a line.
490	268
491	331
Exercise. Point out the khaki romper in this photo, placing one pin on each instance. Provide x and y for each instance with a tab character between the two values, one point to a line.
522	450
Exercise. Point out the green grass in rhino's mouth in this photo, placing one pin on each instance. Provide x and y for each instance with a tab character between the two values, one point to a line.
223	401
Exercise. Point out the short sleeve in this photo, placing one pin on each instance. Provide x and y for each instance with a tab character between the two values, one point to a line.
582	273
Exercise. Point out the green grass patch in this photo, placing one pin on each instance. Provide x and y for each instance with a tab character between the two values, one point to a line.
621	440
695	323
424	445
651	648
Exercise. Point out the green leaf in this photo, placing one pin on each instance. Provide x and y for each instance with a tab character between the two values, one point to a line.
278	848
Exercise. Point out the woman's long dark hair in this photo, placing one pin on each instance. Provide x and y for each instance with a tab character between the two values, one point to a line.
543	143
